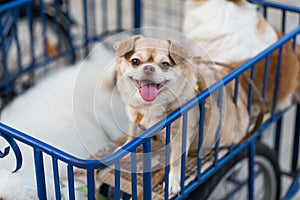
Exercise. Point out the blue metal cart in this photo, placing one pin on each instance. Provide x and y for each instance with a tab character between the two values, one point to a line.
222	180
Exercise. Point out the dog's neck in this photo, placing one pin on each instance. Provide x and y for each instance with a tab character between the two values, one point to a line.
226	31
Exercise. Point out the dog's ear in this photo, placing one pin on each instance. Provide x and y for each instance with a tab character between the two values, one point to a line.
125	46
177	52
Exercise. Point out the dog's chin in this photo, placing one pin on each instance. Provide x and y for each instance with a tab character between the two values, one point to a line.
148	89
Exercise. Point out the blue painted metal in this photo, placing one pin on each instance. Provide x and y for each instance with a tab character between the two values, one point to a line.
201	132
251	170
40	174
294	164
145	138
167	161
91	184
266	73
71	182
293	189
147	170
277	137
56	178
133	176
117	180
138	13
183	150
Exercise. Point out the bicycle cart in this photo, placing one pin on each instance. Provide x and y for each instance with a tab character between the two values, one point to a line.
250	170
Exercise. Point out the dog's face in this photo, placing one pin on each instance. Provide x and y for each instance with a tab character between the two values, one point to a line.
149	69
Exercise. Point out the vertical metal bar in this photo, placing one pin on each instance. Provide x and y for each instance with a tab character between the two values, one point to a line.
201	129
40	174
251	170
117	180
265	12
277	137
167	161
277	79
137	18
71	182
91	184
266	74
44	27
147	170
56	178
250	92
218	133
133	175
57	27
119	15
86	27
294	164
183	150
283	22
31	37
104	16
236	90
16	37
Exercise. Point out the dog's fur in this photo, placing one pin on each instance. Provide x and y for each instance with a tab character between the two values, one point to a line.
166	65
60	111
233	31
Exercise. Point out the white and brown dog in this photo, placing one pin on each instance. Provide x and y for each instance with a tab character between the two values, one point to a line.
233	31
155	77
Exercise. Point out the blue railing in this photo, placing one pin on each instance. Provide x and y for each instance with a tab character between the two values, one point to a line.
40	148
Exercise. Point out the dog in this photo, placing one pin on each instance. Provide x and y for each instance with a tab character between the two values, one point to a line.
60	111
155	77
232	32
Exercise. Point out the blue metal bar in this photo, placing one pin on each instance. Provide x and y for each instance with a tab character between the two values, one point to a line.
137	13
183	149
294	164
104	15
30	26
15	13
266	74
283	22
265	12
117	180
236	90
200	143
218	133
293	189
280	6
277	80
13	4
71	182
119	15
44	27
251	170
147	170
40	174
57	27
277	137
56	178
133	175
250	92
91	184
86	27
167	161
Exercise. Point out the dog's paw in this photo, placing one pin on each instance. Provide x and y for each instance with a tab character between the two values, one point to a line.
174	187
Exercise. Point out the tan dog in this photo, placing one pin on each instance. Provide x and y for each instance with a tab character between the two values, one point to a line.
233	31
155	77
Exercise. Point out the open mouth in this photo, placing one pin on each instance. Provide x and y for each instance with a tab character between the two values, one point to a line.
148	89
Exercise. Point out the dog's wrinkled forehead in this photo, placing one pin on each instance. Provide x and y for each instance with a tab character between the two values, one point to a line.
151	48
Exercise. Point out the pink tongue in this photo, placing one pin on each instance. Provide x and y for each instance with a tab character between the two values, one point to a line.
148	91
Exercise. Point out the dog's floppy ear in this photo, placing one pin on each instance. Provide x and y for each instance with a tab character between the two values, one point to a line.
125	46
177	52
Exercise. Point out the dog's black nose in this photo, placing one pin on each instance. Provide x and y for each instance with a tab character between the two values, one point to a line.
149	69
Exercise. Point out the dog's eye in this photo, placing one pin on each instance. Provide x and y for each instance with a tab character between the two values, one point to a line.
135	61
165	65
